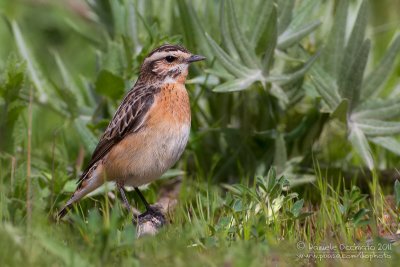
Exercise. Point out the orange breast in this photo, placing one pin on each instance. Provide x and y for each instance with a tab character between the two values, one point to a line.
171	105
144	156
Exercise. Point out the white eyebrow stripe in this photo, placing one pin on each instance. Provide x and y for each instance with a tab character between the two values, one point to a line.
159	55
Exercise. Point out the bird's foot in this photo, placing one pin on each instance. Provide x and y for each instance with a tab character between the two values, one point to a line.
151	221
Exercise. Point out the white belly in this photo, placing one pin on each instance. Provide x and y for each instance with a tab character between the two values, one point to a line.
160	150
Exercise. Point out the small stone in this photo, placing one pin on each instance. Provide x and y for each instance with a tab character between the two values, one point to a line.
150	222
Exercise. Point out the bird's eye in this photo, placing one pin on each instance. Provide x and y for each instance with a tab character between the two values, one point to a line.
170	58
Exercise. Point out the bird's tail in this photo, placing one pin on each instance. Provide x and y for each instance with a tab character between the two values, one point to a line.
87	185
63	212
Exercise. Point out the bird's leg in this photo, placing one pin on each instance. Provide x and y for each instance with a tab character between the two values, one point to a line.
150	221
146	204
125	200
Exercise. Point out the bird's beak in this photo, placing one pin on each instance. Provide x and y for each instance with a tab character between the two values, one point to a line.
194	58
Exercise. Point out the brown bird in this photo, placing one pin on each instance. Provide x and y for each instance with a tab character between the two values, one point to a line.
149	130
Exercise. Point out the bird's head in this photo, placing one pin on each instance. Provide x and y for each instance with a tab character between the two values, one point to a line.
168	63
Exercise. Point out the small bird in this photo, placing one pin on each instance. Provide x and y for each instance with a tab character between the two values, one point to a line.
149	130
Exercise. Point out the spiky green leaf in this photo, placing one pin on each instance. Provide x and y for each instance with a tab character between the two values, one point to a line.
226	33
380	109
285	15
278	92
270	40
378	76
242	45
234	85
326	86
341	111
262	22
280	157
297	206
377	127
69	82
110	84
32	66
302	14
356	40
387	142
292	77
333	53
193	30
230	65
291	37
360	143
88	139
352	81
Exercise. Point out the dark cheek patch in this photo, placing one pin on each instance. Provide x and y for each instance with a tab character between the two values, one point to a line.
174	73
156	66
161	70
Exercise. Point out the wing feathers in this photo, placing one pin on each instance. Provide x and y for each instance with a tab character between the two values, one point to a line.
129	118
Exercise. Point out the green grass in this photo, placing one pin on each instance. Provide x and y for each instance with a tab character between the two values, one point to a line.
294	143
261	223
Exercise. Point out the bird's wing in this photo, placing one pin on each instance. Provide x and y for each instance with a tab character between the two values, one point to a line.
129	118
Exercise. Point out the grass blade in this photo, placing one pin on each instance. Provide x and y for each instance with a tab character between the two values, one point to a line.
57	248
280	157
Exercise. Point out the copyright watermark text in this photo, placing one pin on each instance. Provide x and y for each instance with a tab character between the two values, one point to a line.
379	251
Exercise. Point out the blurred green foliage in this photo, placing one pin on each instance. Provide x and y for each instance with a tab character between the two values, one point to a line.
82	58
